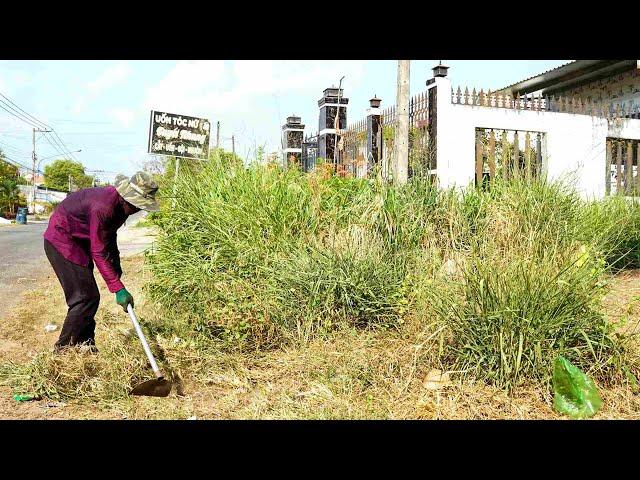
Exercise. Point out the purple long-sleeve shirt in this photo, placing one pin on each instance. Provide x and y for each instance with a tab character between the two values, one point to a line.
83	227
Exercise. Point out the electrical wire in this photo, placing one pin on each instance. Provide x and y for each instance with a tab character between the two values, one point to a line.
31	124
18	164
32	121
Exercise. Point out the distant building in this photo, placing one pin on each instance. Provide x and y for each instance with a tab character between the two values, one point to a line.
43	195
608	82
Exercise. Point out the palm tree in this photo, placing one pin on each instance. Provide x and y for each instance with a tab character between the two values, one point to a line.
9	195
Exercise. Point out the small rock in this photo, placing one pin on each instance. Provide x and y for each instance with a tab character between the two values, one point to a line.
192	418
51	327
450	268
436	380
53	405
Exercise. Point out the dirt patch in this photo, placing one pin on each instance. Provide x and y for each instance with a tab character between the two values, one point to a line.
622	303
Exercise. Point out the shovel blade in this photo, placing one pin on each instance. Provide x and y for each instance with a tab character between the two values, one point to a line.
157	387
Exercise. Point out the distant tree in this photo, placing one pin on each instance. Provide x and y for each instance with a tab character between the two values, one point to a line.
56	175
8	170
9	191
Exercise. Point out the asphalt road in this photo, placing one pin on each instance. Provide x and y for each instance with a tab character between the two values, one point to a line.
22	261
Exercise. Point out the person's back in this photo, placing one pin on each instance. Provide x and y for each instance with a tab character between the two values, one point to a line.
69	226
81	231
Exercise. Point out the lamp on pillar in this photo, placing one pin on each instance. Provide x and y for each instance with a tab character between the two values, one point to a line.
374	132
328	106
292	133
440	70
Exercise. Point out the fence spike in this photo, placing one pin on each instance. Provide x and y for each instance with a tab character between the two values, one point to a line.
492	155
505	155
527	156
459	96
466	95
479	157
515	163
517	104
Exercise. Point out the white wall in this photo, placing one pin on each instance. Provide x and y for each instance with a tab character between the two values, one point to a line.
575	144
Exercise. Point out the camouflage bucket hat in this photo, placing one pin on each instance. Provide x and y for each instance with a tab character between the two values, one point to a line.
140	191
120	178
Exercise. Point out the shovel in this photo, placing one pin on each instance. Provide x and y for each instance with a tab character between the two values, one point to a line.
159	386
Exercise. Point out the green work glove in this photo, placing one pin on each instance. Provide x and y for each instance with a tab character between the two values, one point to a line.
124	298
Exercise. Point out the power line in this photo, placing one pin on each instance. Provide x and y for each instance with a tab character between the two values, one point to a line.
33	122
14	148
15	115
64	146
55	147
18	164
27	114
112	132
64	120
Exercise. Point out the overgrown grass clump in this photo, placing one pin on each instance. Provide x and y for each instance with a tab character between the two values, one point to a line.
509	278
528	289
260	255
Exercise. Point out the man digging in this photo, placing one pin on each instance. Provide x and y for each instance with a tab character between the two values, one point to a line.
83	231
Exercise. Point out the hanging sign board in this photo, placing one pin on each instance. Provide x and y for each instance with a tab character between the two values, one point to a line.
179	135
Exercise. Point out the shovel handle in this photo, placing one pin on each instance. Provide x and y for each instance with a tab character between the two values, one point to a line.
143	340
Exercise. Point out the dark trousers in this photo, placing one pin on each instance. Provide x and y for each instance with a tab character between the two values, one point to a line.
82	296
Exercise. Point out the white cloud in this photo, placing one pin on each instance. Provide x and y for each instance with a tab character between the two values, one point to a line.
112	76
188	88
123	115
246	92
204	87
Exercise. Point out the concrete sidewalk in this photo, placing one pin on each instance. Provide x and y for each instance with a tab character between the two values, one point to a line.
134	240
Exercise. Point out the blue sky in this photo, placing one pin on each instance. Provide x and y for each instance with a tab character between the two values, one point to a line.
102	107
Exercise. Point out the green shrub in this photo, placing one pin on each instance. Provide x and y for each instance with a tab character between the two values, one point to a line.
259	256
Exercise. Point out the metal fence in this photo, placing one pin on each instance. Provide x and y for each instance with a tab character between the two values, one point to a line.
309	153
357	160
508	154
559	104
622	166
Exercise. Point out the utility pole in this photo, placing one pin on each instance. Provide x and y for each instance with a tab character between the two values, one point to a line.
33	172
401	160
218	136
233	145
